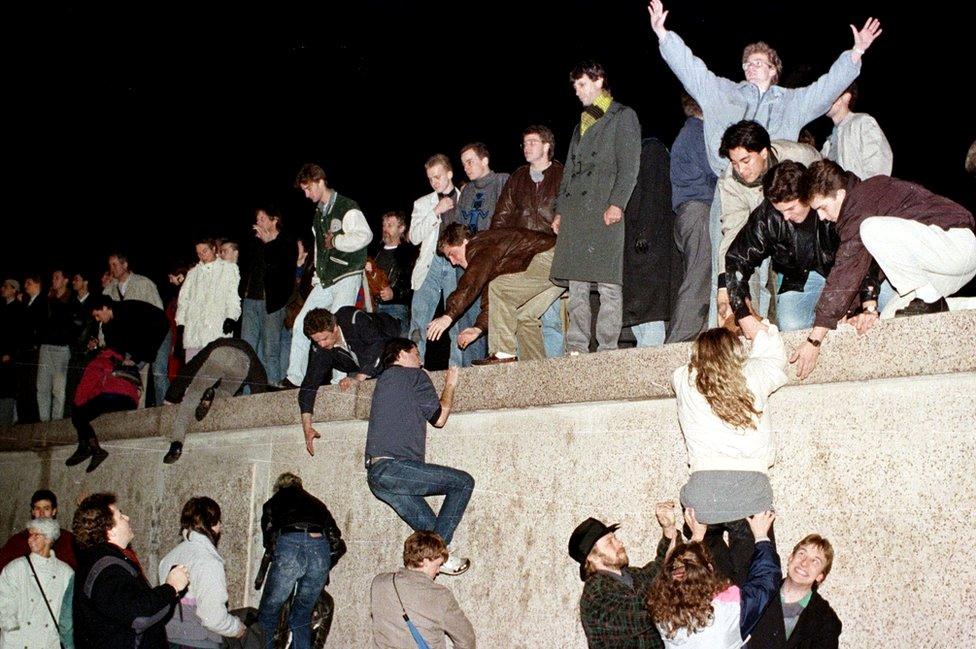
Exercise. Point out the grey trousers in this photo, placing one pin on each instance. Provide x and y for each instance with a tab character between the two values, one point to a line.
608	320
691	235
227	365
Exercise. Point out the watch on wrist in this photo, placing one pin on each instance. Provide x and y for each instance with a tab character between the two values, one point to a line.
815	343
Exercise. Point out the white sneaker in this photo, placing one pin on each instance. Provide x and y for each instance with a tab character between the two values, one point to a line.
455	566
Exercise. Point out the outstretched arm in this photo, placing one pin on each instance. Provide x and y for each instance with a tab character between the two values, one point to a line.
451	379
691	71
658	15
864	37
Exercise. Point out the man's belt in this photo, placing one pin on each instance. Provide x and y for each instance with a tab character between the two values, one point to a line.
371	461
303	529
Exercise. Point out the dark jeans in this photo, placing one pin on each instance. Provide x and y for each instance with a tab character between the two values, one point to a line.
299	559
732	559
27	410
82	416
403	485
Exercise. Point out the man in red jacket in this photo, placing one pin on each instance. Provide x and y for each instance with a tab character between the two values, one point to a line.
99	391
44	504
924	244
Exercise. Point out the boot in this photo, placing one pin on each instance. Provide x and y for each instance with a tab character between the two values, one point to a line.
204	406
98	455
175	451
82	453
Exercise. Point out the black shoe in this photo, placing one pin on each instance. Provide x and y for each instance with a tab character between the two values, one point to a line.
492	359
921	307
98	456
285	384
83	452
205	402
175	451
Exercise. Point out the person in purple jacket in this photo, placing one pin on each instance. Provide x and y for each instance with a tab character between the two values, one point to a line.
924	243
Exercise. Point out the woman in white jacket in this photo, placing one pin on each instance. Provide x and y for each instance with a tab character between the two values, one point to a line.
25	620
722	396
209	302
201	618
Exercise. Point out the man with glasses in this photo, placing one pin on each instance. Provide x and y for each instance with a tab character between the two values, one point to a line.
781	111
527	201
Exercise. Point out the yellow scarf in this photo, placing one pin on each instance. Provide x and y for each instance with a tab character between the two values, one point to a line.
592	113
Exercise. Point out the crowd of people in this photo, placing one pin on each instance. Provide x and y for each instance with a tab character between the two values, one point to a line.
741	228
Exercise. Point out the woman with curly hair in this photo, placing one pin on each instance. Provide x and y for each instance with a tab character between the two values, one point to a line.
722	394
693	605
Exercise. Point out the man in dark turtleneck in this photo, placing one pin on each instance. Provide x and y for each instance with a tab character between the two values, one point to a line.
475	209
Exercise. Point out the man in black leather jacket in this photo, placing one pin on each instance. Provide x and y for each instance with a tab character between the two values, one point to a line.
305	541
802	249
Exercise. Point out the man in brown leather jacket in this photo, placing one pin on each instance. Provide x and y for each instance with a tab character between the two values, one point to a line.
527	201
511	265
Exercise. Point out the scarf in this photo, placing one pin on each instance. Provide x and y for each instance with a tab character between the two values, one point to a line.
771	161
595	111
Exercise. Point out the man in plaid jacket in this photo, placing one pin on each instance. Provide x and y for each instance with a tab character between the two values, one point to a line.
613	607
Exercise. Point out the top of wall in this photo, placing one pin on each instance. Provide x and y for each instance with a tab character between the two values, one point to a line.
923	345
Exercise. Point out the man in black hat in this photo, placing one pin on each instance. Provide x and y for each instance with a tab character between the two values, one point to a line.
613	607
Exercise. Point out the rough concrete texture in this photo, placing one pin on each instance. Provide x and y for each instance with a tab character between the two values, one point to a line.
937	344
883	466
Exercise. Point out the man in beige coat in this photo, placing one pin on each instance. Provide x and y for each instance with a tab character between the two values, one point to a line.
751	153
411	591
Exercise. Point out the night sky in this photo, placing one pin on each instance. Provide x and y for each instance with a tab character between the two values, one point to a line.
144	126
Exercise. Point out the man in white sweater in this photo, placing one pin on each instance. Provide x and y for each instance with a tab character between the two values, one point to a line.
209	304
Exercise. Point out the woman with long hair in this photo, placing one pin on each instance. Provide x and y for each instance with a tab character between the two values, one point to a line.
693	605
202	619
722	394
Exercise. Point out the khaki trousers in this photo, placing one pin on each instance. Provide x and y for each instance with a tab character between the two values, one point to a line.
516	303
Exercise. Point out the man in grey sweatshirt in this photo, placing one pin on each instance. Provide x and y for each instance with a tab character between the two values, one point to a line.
781	111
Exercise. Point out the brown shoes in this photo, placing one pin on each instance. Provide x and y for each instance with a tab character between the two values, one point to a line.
492	359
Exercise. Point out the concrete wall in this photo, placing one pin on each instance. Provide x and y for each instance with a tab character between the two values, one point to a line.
882	466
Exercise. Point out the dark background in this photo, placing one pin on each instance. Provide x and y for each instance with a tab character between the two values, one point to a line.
143	126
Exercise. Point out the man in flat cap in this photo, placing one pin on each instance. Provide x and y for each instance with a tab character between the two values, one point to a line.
613	607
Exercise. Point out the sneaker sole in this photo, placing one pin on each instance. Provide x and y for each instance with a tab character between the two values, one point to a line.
455	573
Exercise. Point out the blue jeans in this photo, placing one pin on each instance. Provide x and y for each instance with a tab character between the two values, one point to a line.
649	334
479	348
403	485
553	337
285	344
795	309
441	278
401	313
262	331
299	560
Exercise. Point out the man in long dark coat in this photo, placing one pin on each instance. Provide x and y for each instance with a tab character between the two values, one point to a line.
652	262
600	174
